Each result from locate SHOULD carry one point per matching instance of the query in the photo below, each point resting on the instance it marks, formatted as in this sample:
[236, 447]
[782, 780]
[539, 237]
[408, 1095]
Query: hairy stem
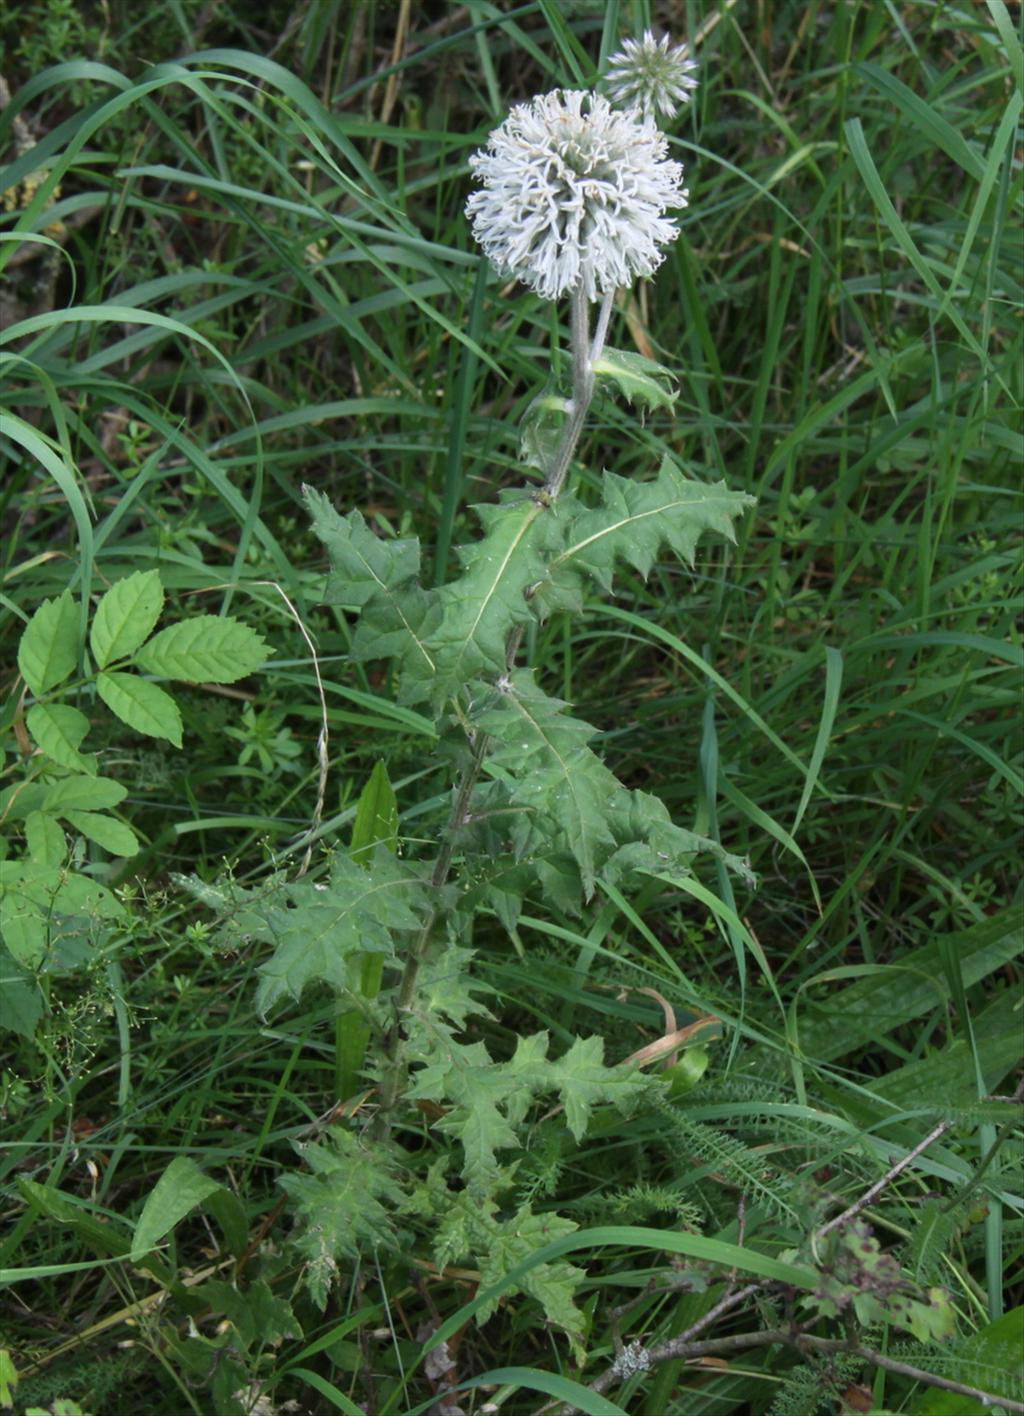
[583, 356]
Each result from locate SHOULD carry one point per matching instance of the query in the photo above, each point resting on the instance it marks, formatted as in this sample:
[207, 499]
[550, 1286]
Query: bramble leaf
[141, 704]
[114, 836]
[82, 794]
[344, 1205]
[205, 649]
[48, 650]
[59, 730]
[124, 617]
[45, 839]
[318, 926]
[39, 904]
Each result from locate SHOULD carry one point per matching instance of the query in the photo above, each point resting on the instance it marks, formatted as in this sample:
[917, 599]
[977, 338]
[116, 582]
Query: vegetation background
[254, 273]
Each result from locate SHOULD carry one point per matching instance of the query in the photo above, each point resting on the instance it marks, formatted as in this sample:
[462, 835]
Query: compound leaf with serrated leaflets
[114, 836]
[142, 705]
[206, 649]
[48, 649]
[124, 617]
[59, 730]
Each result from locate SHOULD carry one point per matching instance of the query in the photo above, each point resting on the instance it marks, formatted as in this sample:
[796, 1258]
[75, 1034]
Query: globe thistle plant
[574, 194]
[652, 76]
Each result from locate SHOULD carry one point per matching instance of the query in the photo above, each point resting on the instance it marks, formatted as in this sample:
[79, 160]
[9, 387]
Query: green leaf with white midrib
[633, 523]
[543, 754]
[379, 577]
[488, 600]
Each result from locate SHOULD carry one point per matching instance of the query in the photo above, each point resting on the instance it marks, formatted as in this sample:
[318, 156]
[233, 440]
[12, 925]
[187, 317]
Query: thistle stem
[582, 390]
[583, 355]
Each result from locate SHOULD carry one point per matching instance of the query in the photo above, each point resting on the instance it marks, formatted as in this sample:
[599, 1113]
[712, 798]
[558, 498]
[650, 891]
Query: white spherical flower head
[574, 194]
[651, 75]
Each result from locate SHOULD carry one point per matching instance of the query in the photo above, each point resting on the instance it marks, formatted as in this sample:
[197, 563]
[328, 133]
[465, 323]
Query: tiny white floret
[574, 194]
[652, 75]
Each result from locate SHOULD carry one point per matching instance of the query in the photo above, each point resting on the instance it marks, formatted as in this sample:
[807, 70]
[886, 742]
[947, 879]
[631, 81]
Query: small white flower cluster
[574, 194]
[652, 75]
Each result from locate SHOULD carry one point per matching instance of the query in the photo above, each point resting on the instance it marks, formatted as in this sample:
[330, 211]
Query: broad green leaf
[141, 704]
[376, 824]
[887, 996]
[48, 651]
[8, 1379]
[345, 1205]
[114, 836]
[45, 839]
[318, 926]
[82, 794]
[106, 1238]
[21, 1000]
[565, 1391]
[489, 599]
[42, 904]
[59, 730]
[206, 649]
[179, 1190]
[634, 521]
[257, 1315]
[25, 896]
[379, 577]
[637, 378]
[125, 616]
